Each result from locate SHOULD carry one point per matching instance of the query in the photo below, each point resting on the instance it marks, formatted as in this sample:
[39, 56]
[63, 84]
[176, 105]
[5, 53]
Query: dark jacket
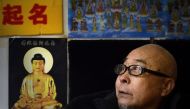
[107, 100]
[101, 100]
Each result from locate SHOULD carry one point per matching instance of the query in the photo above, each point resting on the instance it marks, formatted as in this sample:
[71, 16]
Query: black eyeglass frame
[143, 70]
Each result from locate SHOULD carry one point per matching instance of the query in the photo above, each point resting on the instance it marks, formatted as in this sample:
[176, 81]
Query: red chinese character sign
[12, 15]
[38, 17]
[35, 17]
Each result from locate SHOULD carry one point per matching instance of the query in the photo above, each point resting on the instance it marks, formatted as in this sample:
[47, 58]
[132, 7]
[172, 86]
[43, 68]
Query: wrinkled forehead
[135, 61]
[141, 57]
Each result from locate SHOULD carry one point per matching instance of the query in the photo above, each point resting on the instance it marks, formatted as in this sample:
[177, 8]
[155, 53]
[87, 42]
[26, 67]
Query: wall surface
[4, 73]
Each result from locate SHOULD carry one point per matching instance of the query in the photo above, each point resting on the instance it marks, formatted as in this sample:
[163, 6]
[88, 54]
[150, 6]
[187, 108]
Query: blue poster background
[168, 19]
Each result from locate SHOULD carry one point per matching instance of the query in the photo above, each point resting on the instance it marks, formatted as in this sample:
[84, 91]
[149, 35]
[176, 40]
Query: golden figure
[158, 25]
[175, 15]
[38, 89]
[131, 22]
[143, 10]
[89, 9]
[94, 24]
[79, 14]
[153, 12]
[115, 4]
[139, 27]
[124, 21]
[102, 25]
[117, 20]
[133, 7]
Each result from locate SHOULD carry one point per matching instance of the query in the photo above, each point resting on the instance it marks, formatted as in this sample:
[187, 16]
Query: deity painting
[38, 88]
[129, 19]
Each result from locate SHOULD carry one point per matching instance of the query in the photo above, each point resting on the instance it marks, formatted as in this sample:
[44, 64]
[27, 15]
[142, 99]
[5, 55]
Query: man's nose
[125, 78]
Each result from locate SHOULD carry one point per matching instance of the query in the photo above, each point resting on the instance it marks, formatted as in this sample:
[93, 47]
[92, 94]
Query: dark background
[92, 63]
[17, 71]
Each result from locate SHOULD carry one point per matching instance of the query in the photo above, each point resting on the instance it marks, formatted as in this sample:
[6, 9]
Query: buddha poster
[37, 73]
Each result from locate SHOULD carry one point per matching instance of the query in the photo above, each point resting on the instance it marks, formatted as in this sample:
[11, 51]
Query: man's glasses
[136, 70]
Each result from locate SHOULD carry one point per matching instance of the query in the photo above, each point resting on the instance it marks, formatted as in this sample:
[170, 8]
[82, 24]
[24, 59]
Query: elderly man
[145, 78]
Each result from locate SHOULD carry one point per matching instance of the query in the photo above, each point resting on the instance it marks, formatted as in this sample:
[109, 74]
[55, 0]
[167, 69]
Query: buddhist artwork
[34, 82]
[129, 18]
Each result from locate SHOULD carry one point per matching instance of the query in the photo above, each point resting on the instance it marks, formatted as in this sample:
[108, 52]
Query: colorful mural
[129, 19]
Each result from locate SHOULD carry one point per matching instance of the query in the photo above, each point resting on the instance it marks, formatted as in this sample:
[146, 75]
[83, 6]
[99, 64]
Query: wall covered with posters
[166, 19]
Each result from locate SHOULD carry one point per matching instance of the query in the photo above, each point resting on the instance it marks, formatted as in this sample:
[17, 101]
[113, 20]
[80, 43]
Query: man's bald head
[157, 58]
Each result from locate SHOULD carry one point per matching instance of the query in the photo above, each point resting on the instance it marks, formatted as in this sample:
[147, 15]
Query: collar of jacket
[107, 102]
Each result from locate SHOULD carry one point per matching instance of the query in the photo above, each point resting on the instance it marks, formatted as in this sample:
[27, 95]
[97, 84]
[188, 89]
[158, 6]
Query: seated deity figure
[38, 90]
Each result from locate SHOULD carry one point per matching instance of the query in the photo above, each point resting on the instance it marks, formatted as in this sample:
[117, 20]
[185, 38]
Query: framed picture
[37, 73]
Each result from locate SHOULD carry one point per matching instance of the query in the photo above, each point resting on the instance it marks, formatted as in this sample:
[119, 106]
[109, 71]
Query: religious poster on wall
[129, 19]
[34, 17]
[37, 73]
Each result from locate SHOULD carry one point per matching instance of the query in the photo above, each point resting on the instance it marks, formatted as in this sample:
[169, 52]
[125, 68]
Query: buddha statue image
[84, 25]
[117, 16]
[74, 26]
[139, 26]
[79, 14]
[74, 4]
[153, 12]
[131, 22]
[175, 17]
[149, 25]
[143, 9]
[158, 24]
[90, 10]
[100, 7]
[124, 21]
[102, 24]
[133, 6]
[186, 11]
[38, 90]
[94, 24]
[116, 4]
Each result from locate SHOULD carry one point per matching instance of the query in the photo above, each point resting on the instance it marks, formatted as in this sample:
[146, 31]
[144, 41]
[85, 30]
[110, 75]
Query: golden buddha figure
[38, 90]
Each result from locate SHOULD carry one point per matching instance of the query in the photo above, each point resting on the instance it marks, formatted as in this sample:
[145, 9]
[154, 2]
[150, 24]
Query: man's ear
[167, 86]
